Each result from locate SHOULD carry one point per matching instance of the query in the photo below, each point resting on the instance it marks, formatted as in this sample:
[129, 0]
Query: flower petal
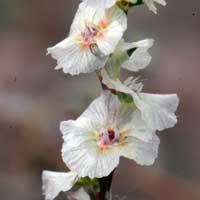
[74, 59]
[56, 182]
[87, 159]
[151, 4]
[158, 111]
[86, 15]
[102, 110]
[114, 84]
[117, 24]
[81, 194]
[161, 2]
[140, 58]
[133, 124]
[144, 153]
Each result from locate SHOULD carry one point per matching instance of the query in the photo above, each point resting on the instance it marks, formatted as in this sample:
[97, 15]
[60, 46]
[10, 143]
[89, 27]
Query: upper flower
[107, 130]
[94, 34]
[110, 3]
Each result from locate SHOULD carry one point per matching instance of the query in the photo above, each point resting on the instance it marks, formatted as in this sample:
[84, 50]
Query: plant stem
[103, 86]
[105, 188]
[105, 182]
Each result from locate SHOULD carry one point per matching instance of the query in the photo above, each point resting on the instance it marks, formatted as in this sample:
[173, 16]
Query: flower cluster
[123, 120]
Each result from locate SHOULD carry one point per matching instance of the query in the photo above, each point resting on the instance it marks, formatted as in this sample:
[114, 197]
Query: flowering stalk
[123, 120]
[105, 188]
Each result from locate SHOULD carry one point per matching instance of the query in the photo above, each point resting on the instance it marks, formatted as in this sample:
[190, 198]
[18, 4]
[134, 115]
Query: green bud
[124, 98]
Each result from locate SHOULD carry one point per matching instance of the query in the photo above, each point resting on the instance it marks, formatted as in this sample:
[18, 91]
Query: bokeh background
[34, 98]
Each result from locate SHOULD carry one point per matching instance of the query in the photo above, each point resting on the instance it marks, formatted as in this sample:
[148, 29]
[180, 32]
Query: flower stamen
[108, 137]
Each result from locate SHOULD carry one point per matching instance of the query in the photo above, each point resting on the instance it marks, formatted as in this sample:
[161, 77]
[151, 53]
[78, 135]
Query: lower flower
[107, 130]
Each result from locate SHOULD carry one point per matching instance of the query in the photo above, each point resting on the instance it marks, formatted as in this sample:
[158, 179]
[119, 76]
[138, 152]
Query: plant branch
[105, 188]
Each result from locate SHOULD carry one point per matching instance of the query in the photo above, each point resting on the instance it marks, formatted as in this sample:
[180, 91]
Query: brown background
[34, 98]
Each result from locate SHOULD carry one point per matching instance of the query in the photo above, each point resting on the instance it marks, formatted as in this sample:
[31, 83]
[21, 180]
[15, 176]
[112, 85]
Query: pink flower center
[108, 137]
[91, 31]
[88, 34]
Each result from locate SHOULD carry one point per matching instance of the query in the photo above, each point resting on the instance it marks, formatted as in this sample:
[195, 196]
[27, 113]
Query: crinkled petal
[151, 4]
[77, 132]
[115, 84]
[74, 59]
[56, 182]
[144, 153]
[158, 111]
[117, 24]
[102, 110]
[140, 58]
[146, 43]
[81, 194]
[86, 15]
[87, 159]
[161, 2]
[131, 122]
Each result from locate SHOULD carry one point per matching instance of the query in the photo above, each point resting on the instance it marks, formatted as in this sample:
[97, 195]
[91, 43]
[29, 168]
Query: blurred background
[34, 98]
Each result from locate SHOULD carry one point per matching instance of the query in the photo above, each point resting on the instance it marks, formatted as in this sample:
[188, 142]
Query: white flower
[81, 194]
[107, 130]
[56, 182]
[110, 3]
[94, 34]
[158, 111]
